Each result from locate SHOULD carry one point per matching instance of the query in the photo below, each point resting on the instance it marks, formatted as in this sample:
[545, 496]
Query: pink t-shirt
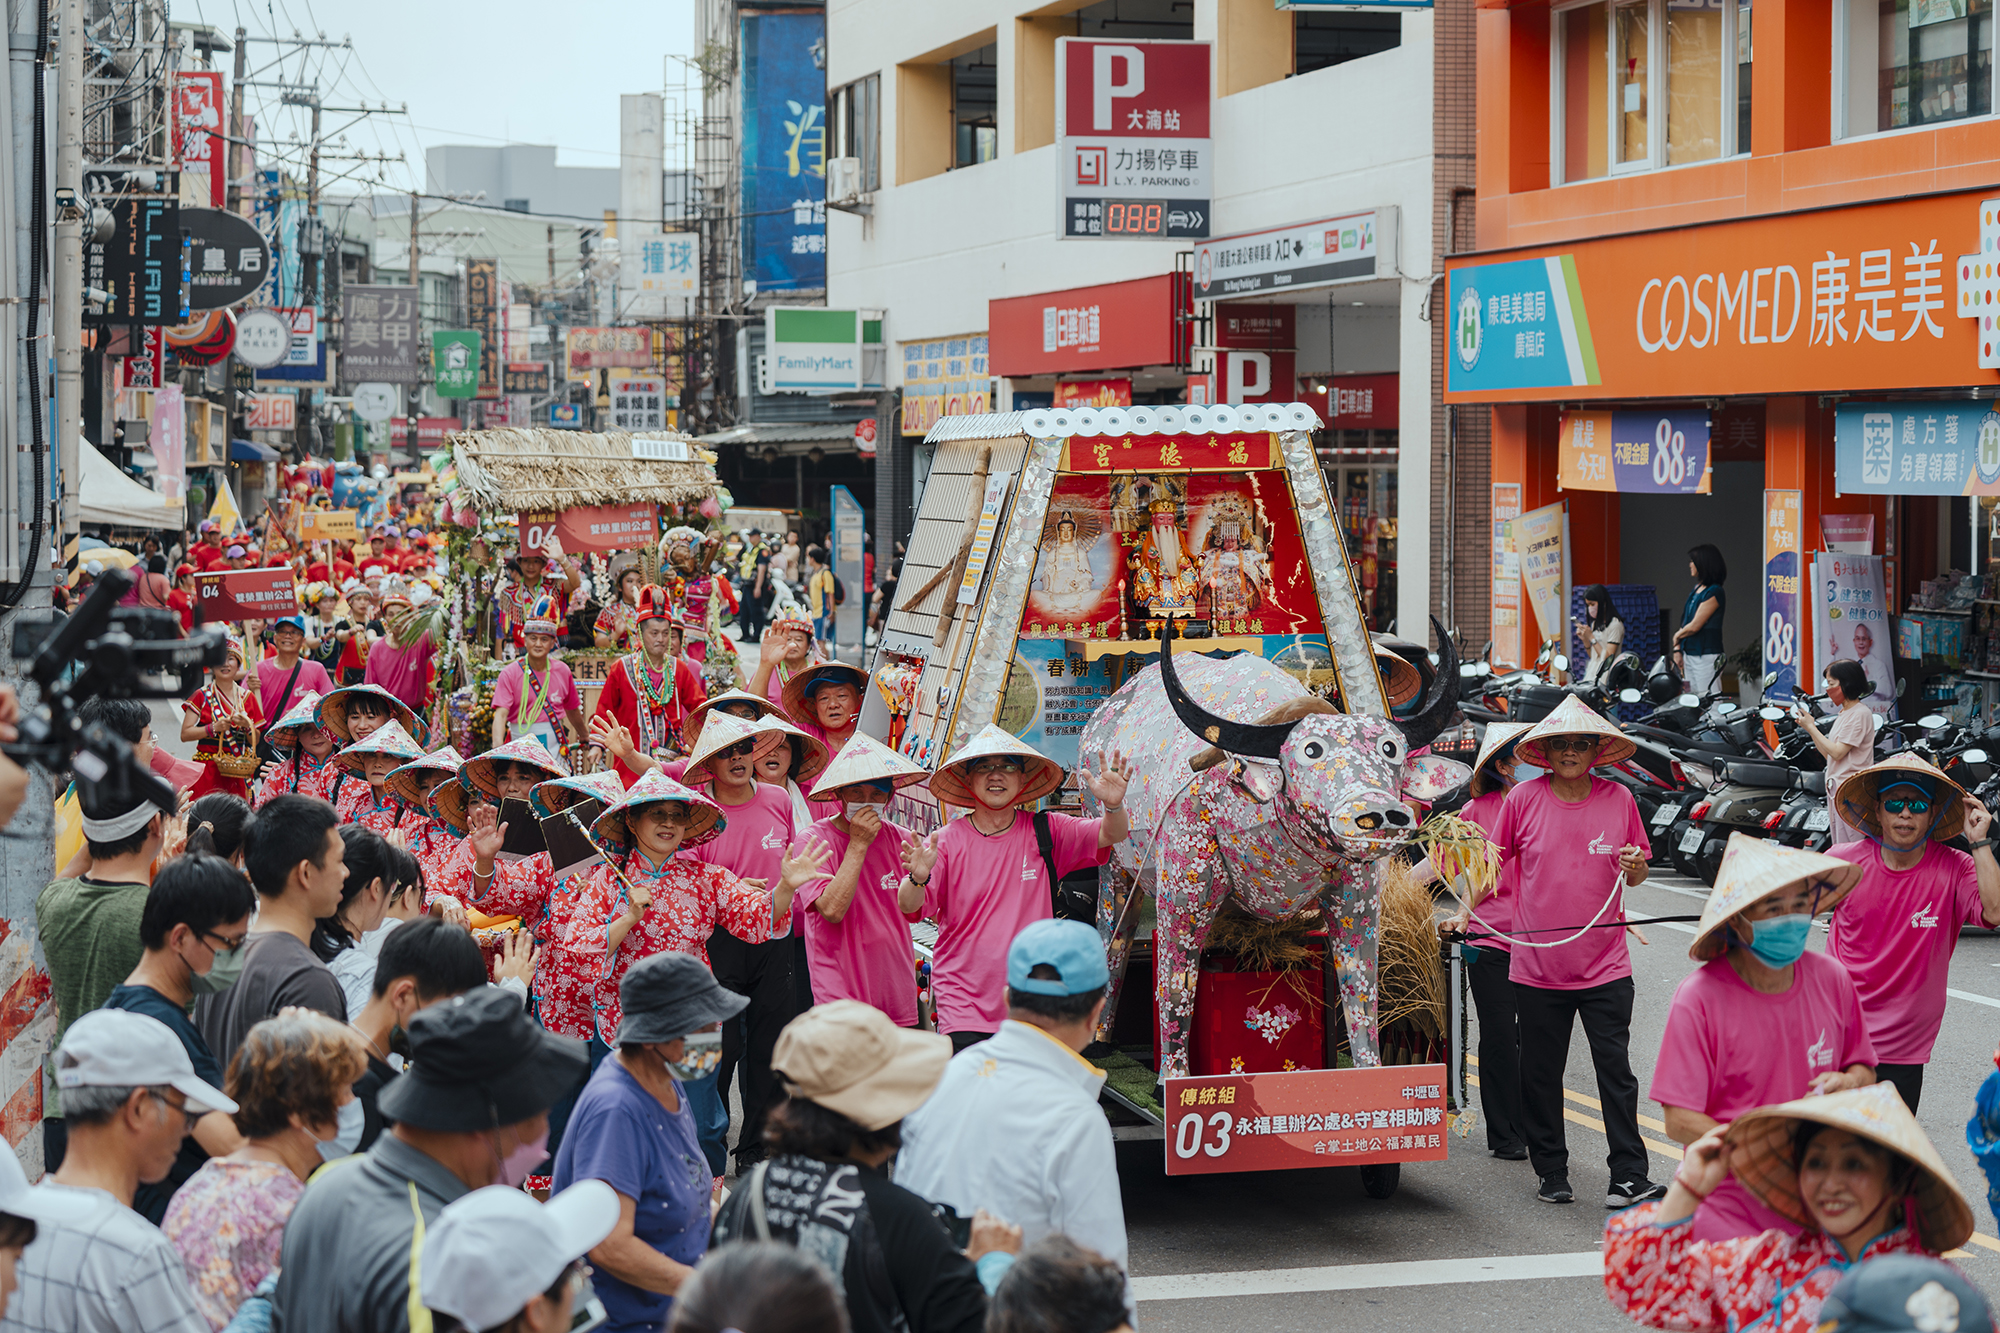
[1568, 857]
[556, 687]
[985, 891]
[271, 680]
[1895, 933]
[1496, 910]
[404, 672]
[1728, 1049]
[754, 836]
[866, 955]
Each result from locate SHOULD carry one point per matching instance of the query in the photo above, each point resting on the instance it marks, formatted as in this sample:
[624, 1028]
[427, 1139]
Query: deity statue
[1165, 576]
[1066, 583]
[1233, 562]
[703, 598]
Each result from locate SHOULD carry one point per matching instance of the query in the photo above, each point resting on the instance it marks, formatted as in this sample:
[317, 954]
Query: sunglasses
[1564, 744]
[739, 750]
[1916, 805]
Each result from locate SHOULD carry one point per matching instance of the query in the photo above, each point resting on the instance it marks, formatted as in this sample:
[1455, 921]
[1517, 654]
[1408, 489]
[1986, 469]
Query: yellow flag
[224, 510]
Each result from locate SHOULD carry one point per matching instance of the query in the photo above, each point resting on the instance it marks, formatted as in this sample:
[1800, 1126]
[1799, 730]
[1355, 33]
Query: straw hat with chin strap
[1040, 775]
[1860, 795]
[1573, 717]
[1499, 735]
[722, 732]
[1752, 870]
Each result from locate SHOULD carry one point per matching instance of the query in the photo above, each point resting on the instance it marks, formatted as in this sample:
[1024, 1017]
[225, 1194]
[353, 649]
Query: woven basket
[243, 765]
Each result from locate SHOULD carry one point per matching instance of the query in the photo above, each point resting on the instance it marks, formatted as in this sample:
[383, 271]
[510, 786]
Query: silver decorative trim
[1326, 551]
[1172, 419]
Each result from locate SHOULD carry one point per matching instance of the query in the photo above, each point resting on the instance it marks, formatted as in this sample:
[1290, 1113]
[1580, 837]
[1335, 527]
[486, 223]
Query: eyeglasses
[676, 815]
[1564, 744]
[982, 767]
[188, 1114]
[1916, 805]
[221, 943]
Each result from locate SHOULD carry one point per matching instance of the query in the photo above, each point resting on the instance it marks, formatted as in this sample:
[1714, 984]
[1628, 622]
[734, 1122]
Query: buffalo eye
[1390, 750]
[1313, 750]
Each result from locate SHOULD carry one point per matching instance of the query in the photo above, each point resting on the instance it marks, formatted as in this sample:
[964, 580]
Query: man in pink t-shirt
[1579, 841]
[1896, 932]
[275, 674]
[1762, 1021]
[984, 878]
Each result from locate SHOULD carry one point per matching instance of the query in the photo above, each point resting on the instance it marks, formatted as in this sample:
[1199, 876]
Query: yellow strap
[420, 1317]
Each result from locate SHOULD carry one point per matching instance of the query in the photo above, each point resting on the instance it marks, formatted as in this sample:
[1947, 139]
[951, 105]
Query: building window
[1320, 40]
[1914, 62]
[975, 106]
[1641, 84]
[856, 115]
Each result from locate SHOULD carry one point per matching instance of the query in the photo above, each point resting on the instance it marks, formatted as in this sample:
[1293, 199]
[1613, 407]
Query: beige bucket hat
[1761, 1155]
[1752, 870]
[722, 732]
[953, 782]
[1573, 717]
[865, 759]
[850, 1058]
[814, 755]
[1860, 795]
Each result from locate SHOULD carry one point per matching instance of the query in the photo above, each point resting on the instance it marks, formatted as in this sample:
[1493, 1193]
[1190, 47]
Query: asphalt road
[1304, 1250]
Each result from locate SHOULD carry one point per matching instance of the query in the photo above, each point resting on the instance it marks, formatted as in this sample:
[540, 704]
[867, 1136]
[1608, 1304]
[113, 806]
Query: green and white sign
[812, 350]
[455, 362]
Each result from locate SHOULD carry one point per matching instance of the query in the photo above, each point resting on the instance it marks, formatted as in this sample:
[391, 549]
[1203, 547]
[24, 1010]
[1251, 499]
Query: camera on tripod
[112, 651]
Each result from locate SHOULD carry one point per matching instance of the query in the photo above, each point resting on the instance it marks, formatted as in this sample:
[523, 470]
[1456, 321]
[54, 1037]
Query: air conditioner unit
[843, 180]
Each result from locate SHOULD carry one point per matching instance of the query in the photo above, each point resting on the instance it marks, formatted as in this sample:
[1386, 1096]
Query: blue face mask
[1779, 941]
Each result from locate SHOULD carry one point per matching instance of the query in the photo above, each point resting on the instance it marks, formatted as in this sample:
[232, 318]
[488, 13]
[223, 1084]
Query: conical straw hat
[449, 803]
[691, 726]
[1400, 677]
[1496, 739]
[1573, 717]
[814, 755]
[952, 783]
[865, 759]
[1755, 868]
[1860, 801]
[795, 688]
[284, 733]
[719, 733]
[558, 794]
[704, 816]
[407, 782]
[1762, 1153]
[332, 712]
[390, 739]
[525, 750]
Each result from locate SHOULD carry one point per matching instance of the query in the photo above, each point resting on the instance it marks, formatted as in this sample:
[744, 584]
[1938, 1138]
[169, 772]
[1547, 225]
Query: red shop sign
[430, 431]
[1305, 1118]
[1084, 328]
[1358, 402]
[593, 528]
[246, 594]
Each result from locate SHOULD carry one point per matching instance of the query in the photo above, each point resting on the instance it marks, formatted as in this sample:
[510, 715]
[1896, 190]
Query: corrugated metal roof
[782, 433]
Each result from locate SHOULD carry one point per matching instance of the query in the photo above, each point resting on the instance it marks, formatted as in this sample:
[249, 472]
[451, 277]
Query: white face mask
[347, 1134]
[853, 808]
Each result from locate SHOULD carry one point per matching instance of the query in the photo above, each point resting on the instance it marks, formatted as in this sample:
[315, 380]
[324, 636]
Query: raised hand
[485, 833]
[919, 855]
[516, 957]
[607, 733]
[798, 867]
[1108, 783]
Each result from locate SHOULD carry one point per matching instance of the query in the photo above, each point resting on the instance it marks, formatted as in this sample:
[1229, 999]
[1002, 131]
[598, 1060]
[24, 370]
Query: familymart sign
[810, 350]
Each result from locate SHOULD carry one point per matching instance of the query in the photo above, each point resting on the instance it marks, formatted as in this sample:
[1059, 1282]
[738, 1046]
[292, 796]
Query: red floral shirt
[1773, 1282]
[300, 775]
[565, 983]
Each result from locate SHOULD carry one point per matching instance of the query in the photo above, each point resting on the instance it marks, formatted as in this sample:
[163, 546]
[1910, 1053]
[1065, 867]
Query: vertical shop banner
[482, 311]
[849, 540]
[1538, 537]
[455, 362]
[378, 335]
[1506, 574]
[146, 368]
[1851, 619]
[784, 151]
[1133, 140]
[198, 145]
[169, 440]
[944, 377]
[1661, 452]
[1917, 448]
[1784, 554]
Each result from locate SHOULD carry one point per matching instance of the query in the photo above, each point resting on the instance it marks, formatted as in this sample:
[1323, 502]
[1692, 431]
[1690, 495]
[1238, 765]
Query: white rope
[1617, 887]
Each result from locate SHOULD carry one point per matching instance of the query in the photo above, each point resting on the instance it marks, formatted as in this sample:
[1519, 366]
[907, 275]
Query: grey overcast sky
[499, 71]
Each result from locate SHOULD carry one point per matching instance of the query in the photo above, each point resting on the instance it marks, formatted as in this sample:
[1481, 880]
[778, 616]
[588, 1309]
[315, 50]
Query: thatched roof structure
[523, 470]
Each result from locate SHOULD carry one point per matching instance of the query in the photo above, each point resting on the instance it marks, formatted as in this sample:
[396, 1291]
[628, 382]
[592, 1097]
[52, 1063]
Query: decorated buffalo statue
[1249, 787]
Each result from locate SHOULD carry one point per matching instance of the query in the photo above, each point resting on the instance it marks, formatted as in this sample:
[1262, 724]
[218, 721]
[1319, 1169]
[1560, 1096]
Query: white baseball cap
[21, 1199]
[116, 1048]
[496, 1249]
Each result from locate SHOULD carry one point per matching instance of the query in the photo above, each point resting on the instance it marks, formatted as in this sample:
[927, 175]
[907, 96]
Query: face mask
[518, 1164]
[853, 808]
[222, 973]
[701, 1052]
[1779, 941]
[347, 1134]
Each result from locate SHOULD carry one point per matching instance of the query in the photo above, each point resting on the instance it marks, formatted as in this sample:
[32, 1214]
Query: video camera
[107, 650]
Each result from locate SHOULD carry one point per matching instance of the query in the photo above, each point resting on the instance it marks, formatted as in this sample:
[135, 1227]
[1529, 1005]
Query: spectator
[90, 925]
[758, 1287]
[785, 561]
[852, 1076]
[293, 1082]
[472, 1111]
[130, 721]
[297, 862]
[23, 1211]
[819, 593]
[1030, 1089]
[1058, 1286]
[420, 965]
[129, 1095]
[988, 876]
[374, 869]
[227, 818]
[757, 587]
[196, 918]
[282, 679]
[499, 1260]
[182, 598]
[1901, 1293]
[634, 1129]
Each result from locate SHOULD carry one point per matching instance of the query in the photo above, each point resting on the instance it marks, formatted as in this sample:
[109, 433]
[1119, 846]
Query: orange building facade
[1728, 251]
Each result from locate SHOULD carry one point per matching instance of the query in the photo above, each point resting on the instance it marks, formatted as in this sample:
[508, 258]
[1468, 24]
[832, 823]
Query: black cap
[1904, 1293]
[478, 1062]
[670, 995]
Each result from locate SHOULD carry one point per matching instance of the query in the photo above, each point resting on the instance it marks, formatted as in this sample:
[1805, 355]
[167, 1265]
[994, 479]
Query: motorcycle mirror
[1467, 670]
[1878, 721]
[1726, 707]
[1689, 701]
[1770, 714]
[1931, 721]
[1484, 667]
[1560, 663]
[1973, 756]
[1630, 696]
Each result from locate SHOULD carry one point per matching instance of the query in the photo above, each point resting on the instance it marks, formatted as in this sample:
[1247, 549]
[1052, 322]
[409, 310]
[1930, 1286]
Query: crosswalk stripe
[1354, 1277]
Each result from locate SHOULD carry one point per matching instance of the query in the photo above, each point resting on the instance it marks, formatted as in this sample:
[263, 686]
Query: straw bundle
[1461, 853]
[1282, 945]
[514, 470]
[1412, 984]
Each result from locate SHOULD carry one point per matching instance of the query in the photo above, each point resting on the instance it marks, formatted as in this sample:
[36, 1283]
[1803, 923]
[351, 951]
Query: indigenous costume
[429, 838]
[383, 811]
[210, 705]
[517, 600]
[537, 703]
[645, 700]
[343, 788]
[618, 622]
[701, 597]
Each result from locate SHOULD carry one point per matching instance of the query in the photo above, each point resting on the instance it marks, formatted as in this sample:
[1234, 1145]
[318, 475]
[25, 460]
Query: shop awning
[249, 451]
[109, 496]
[790, 437]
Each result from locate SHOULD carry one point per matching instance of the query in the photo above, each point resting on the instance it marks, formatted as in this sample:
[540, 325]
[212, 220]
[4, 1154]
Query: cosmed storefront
[1810, 392]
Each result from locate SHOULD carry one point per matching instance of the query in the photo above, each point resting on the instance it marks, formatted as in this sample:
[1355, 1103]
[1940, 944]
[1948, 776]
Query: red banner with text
[246, 594]
[1305, 1118]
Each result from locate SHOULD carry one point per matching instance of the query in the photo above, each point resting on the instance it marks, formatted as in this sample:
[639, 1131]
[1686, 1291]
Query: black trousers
[1499, 1050]
[1909, 1081]
[763, 974]
[1547, 1018]
[751, 612]
[961, 1040]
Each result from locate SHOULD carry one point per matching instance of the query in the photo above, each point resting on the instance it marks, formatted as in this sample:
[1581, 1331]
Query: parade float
[604, 500]
[1171, 583]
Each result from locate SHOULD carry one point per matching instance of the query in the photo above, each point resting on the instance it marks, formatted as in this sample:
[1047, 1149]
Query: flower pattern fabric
[301, 774]
[205, 708]
[228, 1222]
[565, 982]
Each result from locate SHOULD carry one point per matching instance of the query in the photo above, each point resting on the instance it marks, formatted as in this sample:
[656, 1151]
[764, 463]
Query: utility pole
[234, 154]
[67, 290]
[415, 277]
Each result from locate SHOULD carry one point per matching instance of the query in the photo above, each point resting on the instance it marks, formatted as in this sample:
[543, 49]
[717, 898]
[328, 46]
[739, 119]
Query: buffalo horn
[1251, 739]
[1441, 701]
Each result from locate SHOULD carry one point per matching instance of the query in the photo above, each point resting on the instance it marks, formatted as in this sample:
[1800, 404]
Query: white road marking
[1976, 999]
[1701, 894]
[1352, 1277]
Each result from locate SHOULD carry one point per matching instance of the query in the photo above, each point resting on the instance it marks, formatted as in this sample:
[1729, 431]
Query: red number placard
[1305, 1118]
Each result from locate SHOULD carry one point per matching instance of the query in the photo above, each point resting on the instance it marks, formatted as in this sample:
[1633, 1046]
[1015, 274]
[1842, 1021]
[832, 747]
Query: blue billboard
[784, 151]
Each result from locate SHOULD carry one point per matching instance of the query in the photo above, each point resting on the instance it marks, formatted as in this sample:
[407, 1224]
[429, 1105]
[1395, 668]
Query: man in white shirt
[1029, 1091]
[130, 1096]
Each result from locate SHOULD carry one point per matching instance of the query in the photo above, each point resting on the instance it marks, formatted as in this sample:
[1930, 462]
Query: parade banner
[1917, 448]
[1538, 536]
[1851, 619]
[246, 594]
[592, 528]
[1166, 453]
[1305, 1118]
[1784, 552]
[455, 362]
[1656, 452]
[1506, 596]
[328, 525]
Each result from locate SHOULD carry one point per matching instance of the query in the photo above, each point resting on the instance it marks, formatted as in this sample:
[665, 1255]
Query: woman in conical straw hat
[476, 875]
[1853, 1169]
[385, 751]
[431, 841]
[985, 878]
[1897, 931]
[1578, 842]
[795, 766]
[308, 767]
[1762, 1020]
